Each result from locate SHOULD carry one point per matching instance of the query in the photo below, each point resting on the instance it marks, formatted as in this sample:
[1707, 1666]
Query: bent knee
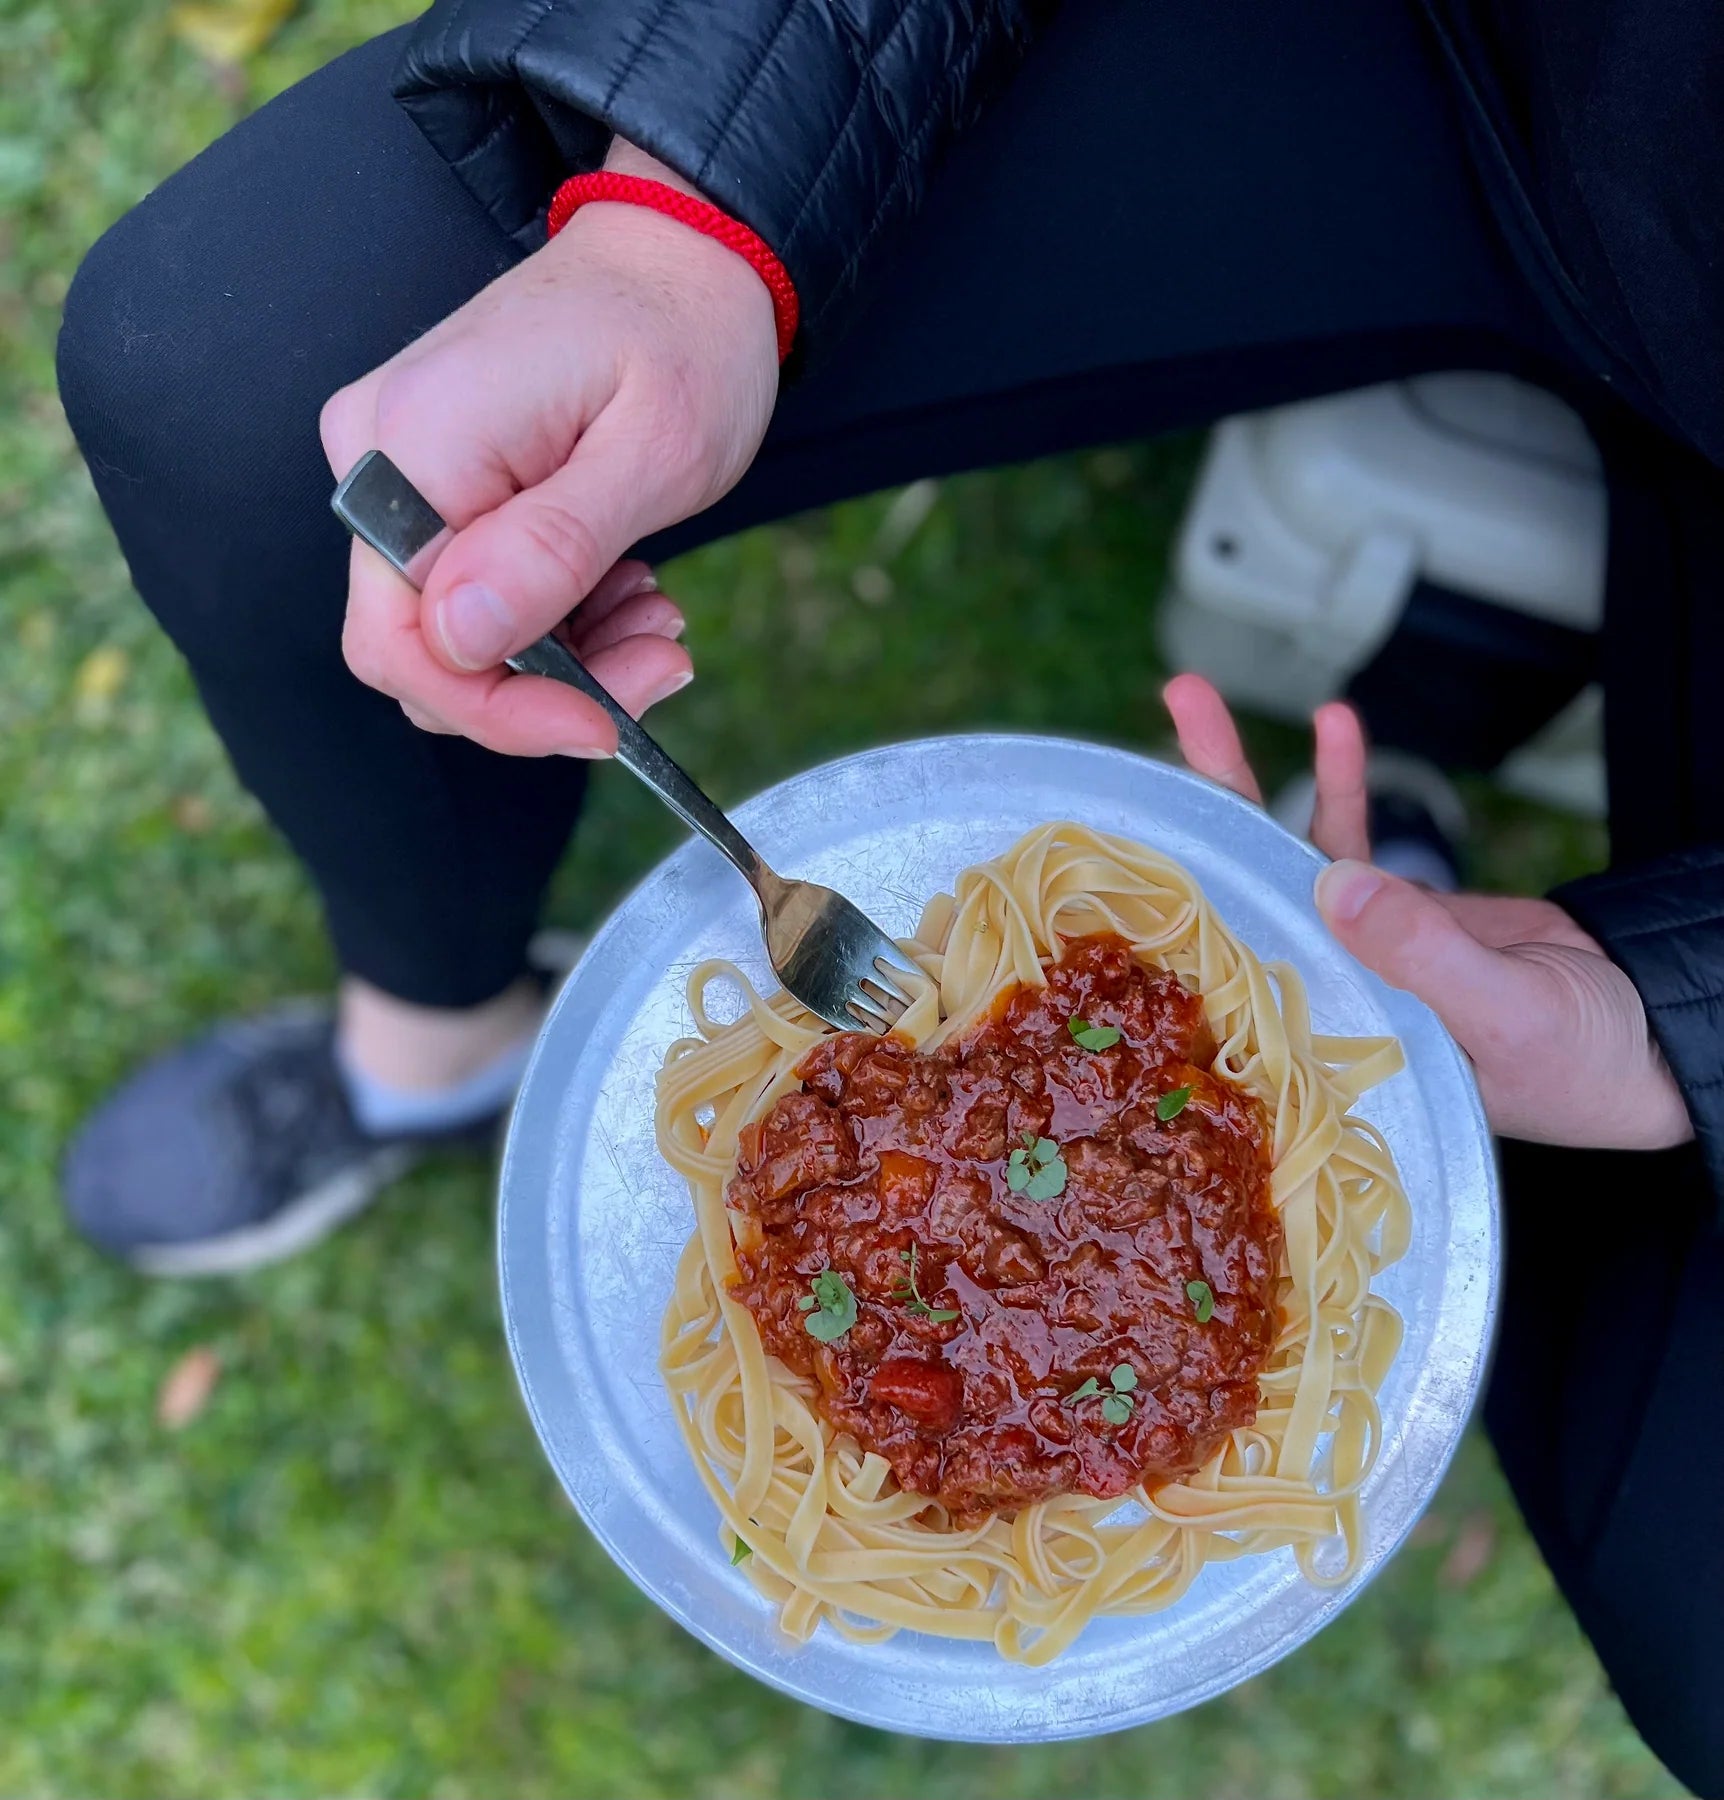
[185, 365]
[129, 356]
[193, 402]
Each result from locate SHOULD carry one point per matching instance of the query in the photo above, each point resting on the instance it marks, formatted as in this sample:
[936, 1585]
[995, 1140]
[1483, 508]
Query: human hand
[1554, 1028]
[613, 383]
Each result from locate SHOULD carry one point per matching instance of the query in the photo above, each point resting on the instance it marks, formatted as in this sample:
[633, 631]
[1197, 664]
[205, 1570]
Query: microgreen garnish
[1197, 1292]
[1092, 1037]
[1036, 1170]
[911, 1295]
[1172, 1104]
[741, 1552]
[1115, 1407]
[836, 1303]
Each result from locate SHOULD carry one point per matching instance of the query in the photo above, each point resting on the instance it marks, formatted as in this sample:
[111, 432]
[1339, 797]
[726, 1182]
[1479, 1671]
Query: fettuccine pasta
[829, 1535]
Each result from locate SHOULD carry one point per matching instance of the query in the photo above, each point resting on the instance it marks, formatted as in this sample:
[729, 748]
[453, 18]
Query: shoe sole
[297, 1226]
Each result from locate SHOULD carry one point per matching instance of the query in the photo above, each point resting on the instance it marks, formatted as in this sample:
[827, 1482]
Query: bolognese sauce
[1088, 1314]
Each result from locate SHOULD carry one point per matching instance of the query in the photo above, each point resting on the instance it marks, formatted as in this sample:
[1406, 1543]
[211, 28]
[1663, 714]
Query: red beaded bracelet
[637, 190]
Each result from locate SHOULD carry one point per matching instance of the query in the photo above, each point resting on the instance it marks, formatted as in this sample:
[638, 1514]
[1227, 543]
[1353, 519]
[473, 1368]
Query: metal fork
[828, 953]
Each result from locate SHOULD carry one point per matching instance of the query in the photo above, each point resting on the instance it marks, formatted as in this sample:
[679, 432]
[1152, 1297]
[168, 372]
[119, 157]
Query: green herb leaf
[1172, 1104]
[1092, 1037]
[1197, 1292]
[808, 1303]
[828, 1327]
[1115, 1407]
[740, 1552]
[1048, 1182]
[837, 1308]
[1038, 1171]
[911, 1294]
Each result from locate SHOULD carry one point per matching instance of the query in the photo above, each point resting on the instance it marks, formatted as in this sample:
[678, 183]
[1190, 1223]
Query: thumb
[515, 572]
[1415, 943]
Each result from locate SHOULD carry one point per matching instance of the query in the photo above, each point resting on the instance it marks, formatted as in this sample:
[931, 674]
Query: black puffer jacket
[1599, 128]
[821, 122]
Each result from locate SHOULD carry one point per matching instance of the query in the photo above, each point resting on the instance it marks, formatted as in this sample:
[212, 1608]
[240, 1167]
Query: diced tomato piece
[931, 1393]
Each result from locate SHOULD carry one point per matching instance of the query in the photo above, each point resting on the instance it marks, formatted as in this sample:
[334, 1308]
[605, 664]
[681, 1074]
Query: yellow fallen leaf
[186, 1391]
[230, 31]
[101, 675]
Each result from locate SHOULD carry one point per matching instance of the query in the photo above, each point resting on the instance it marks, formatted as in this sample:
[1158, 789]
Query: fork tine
[890, 977]
[882, 998]
[867, 1018]
[833, 957]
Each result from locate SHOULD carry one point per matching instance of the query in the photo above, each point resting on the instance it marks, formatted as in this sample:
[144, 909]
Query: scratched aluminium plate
[592, 1223]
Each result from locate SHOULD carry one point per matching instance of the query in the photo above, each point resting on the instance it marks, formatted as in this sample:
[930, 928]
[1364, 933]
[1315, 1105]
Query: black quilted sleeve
[816, 122]
[1663, 922]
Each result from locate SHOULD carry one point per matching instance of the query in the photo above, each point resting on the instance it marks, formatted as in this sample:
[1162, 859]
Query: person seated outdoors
[981, 235]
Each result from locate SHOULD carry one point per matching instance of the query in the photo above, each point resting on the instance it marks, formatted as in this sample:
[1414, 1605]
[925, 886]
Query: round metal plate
[592, 1223]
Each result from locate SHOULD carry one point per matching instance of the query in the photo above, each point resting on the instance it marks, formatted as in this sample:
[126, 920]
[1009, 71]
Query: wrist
[630, 199]
[624, 158]
[637, 234]
[646, 240]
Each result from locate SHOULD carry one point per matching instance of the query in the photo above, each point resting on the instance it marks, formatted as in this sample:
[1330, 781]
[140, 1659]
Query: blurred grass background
[347, 1569]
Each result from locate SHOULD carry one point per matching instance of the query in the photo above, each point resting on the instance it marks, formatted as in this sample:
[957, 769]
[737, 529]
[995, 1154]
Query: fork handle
[645, 758]
[377, 503]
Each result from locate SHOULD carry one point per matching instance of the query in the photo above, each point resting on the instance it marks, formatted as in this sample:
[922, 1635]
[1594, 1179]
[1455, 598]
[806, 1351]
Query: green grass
[353, 1574]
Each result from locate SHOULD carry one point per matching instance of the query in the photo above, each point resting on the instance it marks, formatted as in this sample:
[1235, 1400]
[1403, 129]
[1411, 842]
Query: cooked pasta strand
[834, 1539]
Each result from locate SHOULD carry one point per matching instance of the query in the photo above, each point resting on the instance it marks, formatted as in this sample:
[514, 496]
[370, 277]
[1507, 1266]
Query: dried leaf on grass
[192, 813]
[186, 1391]
[230, 31]
[1474, 1546]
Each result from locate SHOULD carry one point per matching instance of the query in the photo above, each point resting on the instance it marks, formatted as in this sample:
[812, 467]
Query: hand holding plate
[1554, 1028]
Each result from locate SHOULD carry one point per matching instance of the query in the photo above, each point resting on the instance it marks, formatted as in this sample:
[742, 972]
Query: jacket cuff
[1663, 924]
[816, 124]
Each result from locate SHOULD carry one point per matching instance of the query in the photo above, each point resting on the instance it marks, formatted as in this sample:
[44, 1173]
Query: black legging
[1157, 226]
[1177, 212]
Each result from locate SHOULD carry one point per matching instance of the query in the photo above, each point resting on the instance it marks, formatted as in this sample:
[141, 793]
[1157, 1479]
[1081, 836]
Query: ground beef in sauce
[885, 1149]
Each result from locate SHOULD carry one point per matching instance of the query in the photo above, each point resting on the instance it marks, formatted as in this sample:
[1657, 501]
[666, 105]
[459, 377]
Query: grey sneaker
[233, 1151]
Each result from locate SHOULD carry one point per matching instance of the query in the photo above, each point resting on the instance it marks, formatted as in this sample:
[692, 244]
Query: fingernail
[586, 752]
[672, 684]
[477, 626]
[648, 584]
[1344, 888]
